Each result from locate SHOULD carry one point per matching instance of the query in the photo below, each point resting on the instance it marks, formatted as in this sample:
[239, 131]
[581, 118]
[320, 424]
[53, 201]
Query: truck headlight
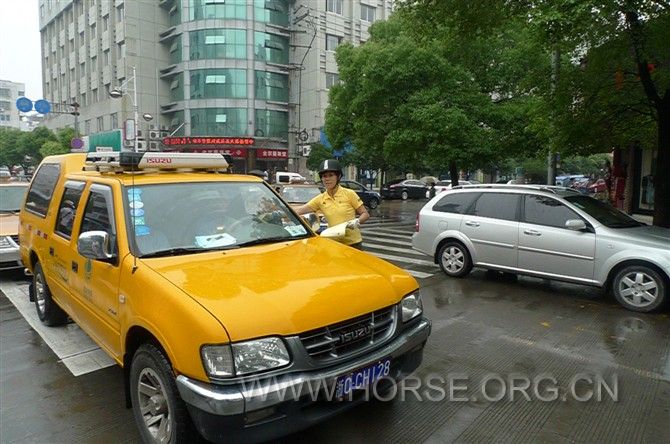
[260, 354]
[217, 360]
[242, 358]
[411, 306]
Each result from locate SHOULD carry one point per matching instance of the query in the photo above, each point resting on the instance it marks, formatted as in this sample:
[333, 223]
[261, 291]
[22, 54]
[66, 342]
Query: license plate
[361, 378]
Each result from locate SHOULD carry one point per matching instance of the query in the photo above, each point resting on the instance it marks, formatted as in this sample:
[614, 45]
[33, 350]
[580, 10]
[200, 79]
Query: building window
[121, 49]
[332, 41]
[119, 13]
[105, 57]
[332, 79]
[177, 87]
[334, 6]
[219, 9]
[87, 123]
[219, 122]
[272, 123]
[368, 13]
[219, 83]
[271, 48]
[218, 44]
[114, 120]
[271, 86]
[101, 123]
[274, 12]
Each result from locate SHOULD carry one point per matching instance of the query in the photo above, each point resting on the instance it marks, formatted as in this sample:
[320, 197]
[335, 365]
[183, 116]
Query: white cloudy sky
[20, 59]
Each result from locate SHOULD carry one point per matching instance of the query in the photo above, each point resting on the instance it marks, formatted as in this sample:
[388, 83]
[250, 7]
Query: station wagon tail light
[243, 358]
[411, 306]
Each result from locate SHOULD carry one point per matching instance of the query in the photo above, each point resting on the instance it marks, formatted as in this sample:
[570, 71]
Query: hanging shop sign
[237, 153]
[271, 154]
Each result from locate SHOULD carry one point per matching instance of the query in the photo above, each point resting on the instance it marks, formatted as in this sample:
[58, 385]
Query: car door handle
[470, 223]
[51, 251]
[532, 232]
[75, 266]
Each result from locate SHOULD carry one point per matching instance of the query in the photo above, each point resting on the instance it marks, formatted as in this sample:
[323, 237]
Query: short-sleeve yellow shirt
[339, 208]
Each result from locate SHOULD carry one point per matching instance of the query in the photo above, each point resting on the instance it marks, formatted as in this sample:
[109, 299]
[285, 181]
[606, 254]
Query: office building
[246, 77]
[9, 115]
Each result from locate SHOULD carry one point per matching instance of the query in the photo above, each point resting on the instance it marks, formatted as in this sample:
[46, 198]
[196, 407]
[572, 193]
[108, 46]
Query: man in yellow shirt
[338, 204]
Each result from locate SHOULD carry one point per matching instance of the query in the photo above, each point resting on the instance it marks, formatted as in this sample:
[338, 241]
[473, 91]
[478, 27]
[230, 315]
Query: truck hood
[286, 288]
[9, 224]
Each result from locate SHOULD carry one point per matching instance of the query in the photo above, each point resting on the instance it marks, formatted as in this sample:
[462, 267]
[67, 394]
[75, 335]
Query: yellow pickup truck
[230, 316]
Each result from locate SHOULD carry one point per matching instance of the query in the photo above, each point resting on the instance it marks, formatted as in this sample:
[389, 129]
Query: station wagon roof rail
[548, 188]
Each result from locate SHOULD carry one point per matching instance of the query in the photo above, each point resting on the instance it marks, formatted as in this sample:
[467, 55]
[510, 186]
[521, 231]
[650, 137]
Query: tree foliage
[414, 101]
[611, 88]
[28, 148]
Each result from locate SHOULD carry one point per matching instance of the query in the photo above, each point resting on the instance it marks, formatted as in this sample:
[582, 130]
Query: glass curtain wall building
[246, 77]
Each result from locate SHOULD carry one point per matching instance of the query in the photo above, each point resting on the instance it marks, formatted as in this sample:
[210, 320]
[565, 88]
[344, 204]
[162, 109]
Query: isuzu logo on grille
[356, 333]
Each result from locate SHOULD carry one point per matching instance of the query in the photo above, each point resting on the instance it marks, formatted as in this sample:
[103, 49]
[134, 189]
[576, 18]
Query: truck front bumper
[264, 409]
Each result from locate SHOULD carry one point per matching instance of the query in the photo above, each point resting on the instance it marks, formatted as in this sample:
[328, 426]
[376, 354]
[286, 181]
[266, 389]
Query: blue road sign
[24, 104]
[42, 106]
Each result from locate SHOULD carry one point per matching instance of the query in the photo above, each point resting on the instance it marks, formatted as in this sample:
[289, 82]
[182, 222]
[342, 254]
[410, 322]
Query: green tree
[401, 101]
[612, 85]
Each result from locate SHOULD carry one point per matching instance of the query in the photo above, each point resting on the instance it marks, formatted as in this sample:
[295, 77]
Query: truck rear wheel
[47, 310]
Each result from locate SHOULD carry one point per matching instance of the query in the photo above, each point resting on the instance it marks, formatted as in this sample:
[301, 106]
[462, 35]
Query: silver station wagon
[547, 232]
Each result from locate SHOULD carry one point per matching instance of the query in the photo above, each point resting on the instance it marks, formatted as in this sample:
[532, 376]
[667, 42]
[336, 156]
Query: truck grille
[347, 337]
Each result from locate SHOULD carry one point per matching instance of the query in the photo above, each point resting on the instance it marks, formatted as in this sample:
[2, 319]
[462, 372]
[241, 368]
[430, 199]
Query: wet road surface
[490, 331]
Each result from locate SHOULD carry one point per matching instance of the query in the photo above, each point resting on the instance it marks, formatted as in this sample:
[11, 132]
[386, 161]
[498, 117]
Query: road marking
[73, 347]
[390, 257]
[419, 274]
[387, 248]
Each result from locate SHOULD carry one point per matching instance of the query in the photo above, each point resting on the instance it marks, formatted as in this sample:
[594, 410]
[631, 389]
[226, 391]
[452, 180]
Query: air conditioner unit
[139, 134]
[141, 145]
[306, 149]
[164, 133]
[153, 127]
[129, 143]
[153, 135]
[165, 128]
[153, 146]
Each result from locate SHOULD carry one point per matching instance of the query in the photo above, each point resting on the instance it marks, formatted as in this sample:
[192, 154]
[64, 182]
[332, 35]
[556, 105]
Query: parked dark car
[404, 189]
[371, 199]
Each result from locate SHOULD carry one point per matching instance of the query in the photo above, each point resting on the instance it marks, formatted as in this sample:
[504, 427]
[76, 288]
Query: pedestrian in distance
[338, 204]
[431, 191]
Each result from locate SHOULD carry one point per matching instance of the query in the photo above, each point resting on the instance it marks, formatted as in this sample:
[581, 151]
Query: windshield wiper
[269, 240]
[177, 251]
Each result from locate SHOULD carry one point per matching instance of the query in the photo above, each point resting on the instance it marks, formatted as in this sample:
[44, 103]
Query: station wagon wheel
[639, 288]
[159, 412]
[404, 195]
[454, 259]
[47, 310]
[373, 203]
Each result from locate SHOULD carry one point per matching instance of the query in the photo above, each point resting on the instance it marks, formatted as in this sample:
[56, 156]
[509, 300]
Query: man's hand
[353, 224]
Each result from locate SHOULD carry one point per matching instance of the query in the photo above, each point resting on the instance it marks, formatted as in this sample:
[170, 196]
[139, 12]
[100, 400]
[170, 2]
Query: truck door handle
[75, 266]
[470, 223]
[51, 251]
[532, 232]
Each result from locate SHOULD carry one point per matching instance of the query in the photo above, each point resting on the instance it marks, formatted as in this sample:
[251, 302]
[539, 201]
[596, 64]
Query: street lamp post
[119, 92]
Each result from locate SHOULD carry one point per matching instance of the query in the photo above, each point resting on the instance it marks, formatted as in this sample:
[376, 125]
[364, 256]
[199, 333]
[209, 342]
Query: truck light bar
[116, 161]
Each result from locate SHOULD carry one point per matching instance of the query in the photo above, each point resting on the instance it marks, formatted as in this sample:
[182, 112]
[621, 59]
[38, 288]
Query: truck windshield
[189, 218]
